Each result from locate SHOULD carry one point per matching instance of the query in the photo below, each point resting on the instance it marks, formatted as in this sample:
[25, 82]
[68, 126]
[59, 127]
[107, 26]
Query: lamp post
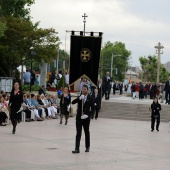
[159, 51]
[58, 56]
[31, 54]
[111, 68]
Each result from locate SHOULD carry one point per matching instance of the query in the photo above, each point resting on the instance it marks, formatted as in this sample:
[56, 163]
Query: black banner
[84, 57]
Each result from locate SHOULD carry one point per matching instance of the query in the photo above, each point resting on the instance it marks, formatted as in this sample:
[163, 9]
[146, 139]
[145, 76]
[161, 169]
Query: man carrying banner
[85, 111]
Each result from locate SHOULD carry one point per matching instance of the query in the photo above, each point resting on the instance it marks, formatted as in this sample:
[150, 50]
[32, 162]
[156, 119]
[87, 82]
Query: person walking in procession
[155, 114]
[16, 105]
[85, 111]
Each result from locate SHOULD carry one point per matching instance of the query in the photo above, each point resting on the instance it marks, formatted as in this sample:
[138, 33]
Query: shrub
[62, 82]
[33, 87]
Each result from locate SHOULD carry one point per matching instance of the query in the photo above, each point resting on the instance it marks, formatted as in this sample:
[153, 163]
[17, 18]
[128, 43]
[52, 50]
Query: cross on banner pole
[84, 16]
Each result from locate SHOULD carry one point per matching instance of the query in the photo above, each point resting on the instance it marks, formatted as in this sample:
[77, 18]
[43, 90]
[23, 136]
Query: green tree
[2, 28]
[62, 82]
[19, 37]
[120, 62]
[149, 67]
[16, 8]
[63, 56]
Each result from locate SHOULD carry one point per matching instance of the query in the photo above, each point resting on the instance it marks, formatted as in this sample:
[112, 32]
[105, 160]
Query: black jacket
[167, 87]
[106, 83]
[88, 107]
[100, 90]
[41, 91]
[155, 108]
[133, 88]
[97, 100]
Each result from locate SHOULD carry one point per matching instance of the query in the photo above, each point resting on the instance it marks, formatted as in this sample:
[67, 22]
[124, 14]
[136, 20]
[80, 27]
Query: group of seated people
[36, 107]
[40, 107]
[4, 112]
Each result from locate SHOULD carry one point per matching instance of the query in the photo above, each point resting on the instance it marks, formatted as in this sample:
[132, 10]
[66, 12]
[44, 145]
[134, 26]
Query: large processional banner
[84, 57]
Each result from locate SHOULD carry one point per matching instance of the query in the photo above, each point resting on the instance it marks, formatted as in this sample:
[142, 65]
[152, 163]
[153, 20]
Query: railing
[6, 84]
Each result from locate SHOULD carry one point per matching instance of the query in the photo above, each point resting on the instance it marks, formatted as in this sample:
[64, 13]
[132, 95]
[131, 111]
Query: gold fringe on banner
[83, 76]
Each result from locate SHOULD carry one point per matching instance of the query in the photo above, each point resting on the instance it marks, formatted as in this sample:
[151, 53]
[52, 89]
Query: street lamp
[58, 56]
[31, 54]
[111, 68]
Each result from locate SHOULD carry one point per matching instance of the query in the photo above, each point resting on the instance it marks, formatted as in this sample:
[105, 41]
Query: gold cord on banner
[83, 76]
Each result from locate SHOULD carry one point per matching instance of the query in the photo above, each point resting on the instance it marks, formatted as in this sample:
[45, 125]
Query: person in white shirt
[67, 77]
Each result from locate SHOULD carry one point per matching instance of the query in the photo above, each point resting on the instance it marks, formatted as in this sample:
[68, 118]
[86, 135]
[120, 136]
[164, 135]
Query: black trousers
[3, 116]
[167, 96]
[85, 123]
[28, 113]
[96, 112]
[153, 119]
[140, 94]
[107, 93]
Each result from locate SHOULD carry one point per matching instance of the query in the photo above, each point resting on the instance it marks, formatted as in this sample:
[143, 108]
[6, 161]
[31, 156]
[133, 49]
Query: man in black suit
[42, 90]
[100, 91]
[114, 88]
[120, 87]
[97, 100]
[100, 88]
[167, 91]
[107, 85]
[85, 111]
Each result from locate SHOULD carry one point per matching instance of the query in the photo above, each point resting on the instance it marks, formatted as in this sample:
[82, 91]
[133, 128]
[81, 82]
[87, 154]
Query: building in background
[167, 66]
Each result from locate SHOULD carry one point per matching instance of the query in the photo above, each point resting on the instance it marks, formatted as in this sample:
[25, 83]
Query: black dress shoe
[157, 129]
[152, 130]
[87, 150]
[76, 151]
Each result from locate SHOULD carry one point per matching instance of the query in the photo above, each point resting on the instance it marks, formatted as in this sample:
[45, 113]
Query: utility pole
[111, 68]
[159, 51]
[84, 16]
[58, 57]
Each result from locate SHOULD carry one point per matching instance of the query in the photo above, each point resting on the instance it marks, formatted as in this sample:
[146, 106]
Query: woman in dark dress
[155, 115]
[16, 104]
[65, 100]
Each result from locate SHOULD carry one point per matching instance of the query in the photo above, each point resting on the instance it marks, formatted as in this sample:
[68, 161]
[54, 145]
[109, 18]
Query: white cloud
[138, 24]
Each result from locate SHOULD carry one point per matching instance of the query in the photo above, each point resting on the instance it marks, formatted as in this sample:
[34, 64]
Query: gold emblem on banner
[85, 55]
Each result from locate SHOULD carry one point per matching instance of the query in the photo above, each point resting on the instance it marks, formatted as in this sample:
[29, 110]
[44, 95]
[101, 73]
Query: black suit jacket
[155, 108]
[167, 87]
[41, 91]
[100, 90]
[106, 83]
[97, 100]
[88, 107]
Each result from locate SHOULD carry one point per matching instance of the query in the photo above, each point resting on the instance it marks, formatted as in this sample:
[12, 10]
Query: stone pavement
[115, 145]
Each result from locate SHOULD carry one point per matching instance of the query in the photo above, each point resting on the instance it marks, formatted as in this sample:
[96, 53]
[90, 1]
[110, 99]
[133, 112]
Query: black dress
[15, 104]
[64, 103]
[155, 115]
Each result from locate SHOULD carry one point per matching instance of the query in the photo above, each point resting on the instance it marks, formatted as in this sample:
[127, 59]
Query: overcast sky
[138, 24]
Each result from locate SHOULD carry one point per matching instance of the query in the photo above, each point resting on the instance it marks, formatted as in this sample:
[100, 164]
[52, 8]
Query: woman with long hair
[15, 104]
[155, 115]
[4, 110]
[65, 100]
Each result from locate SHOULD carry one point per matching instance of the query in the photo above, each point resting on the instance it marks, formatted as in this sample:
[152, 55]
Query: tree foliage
[119, 62]
[149, 67]
[2, 28]
[22, 35]
[16, 8]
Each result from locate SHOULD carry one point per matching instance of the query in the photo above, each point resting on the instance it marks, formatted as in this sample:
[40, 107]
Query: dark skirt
[63, 110]
[14, 114]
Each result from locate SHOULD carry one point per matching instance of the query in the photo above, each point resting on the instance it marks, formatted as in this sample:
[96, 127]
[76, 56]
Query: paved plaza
[115, 144]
